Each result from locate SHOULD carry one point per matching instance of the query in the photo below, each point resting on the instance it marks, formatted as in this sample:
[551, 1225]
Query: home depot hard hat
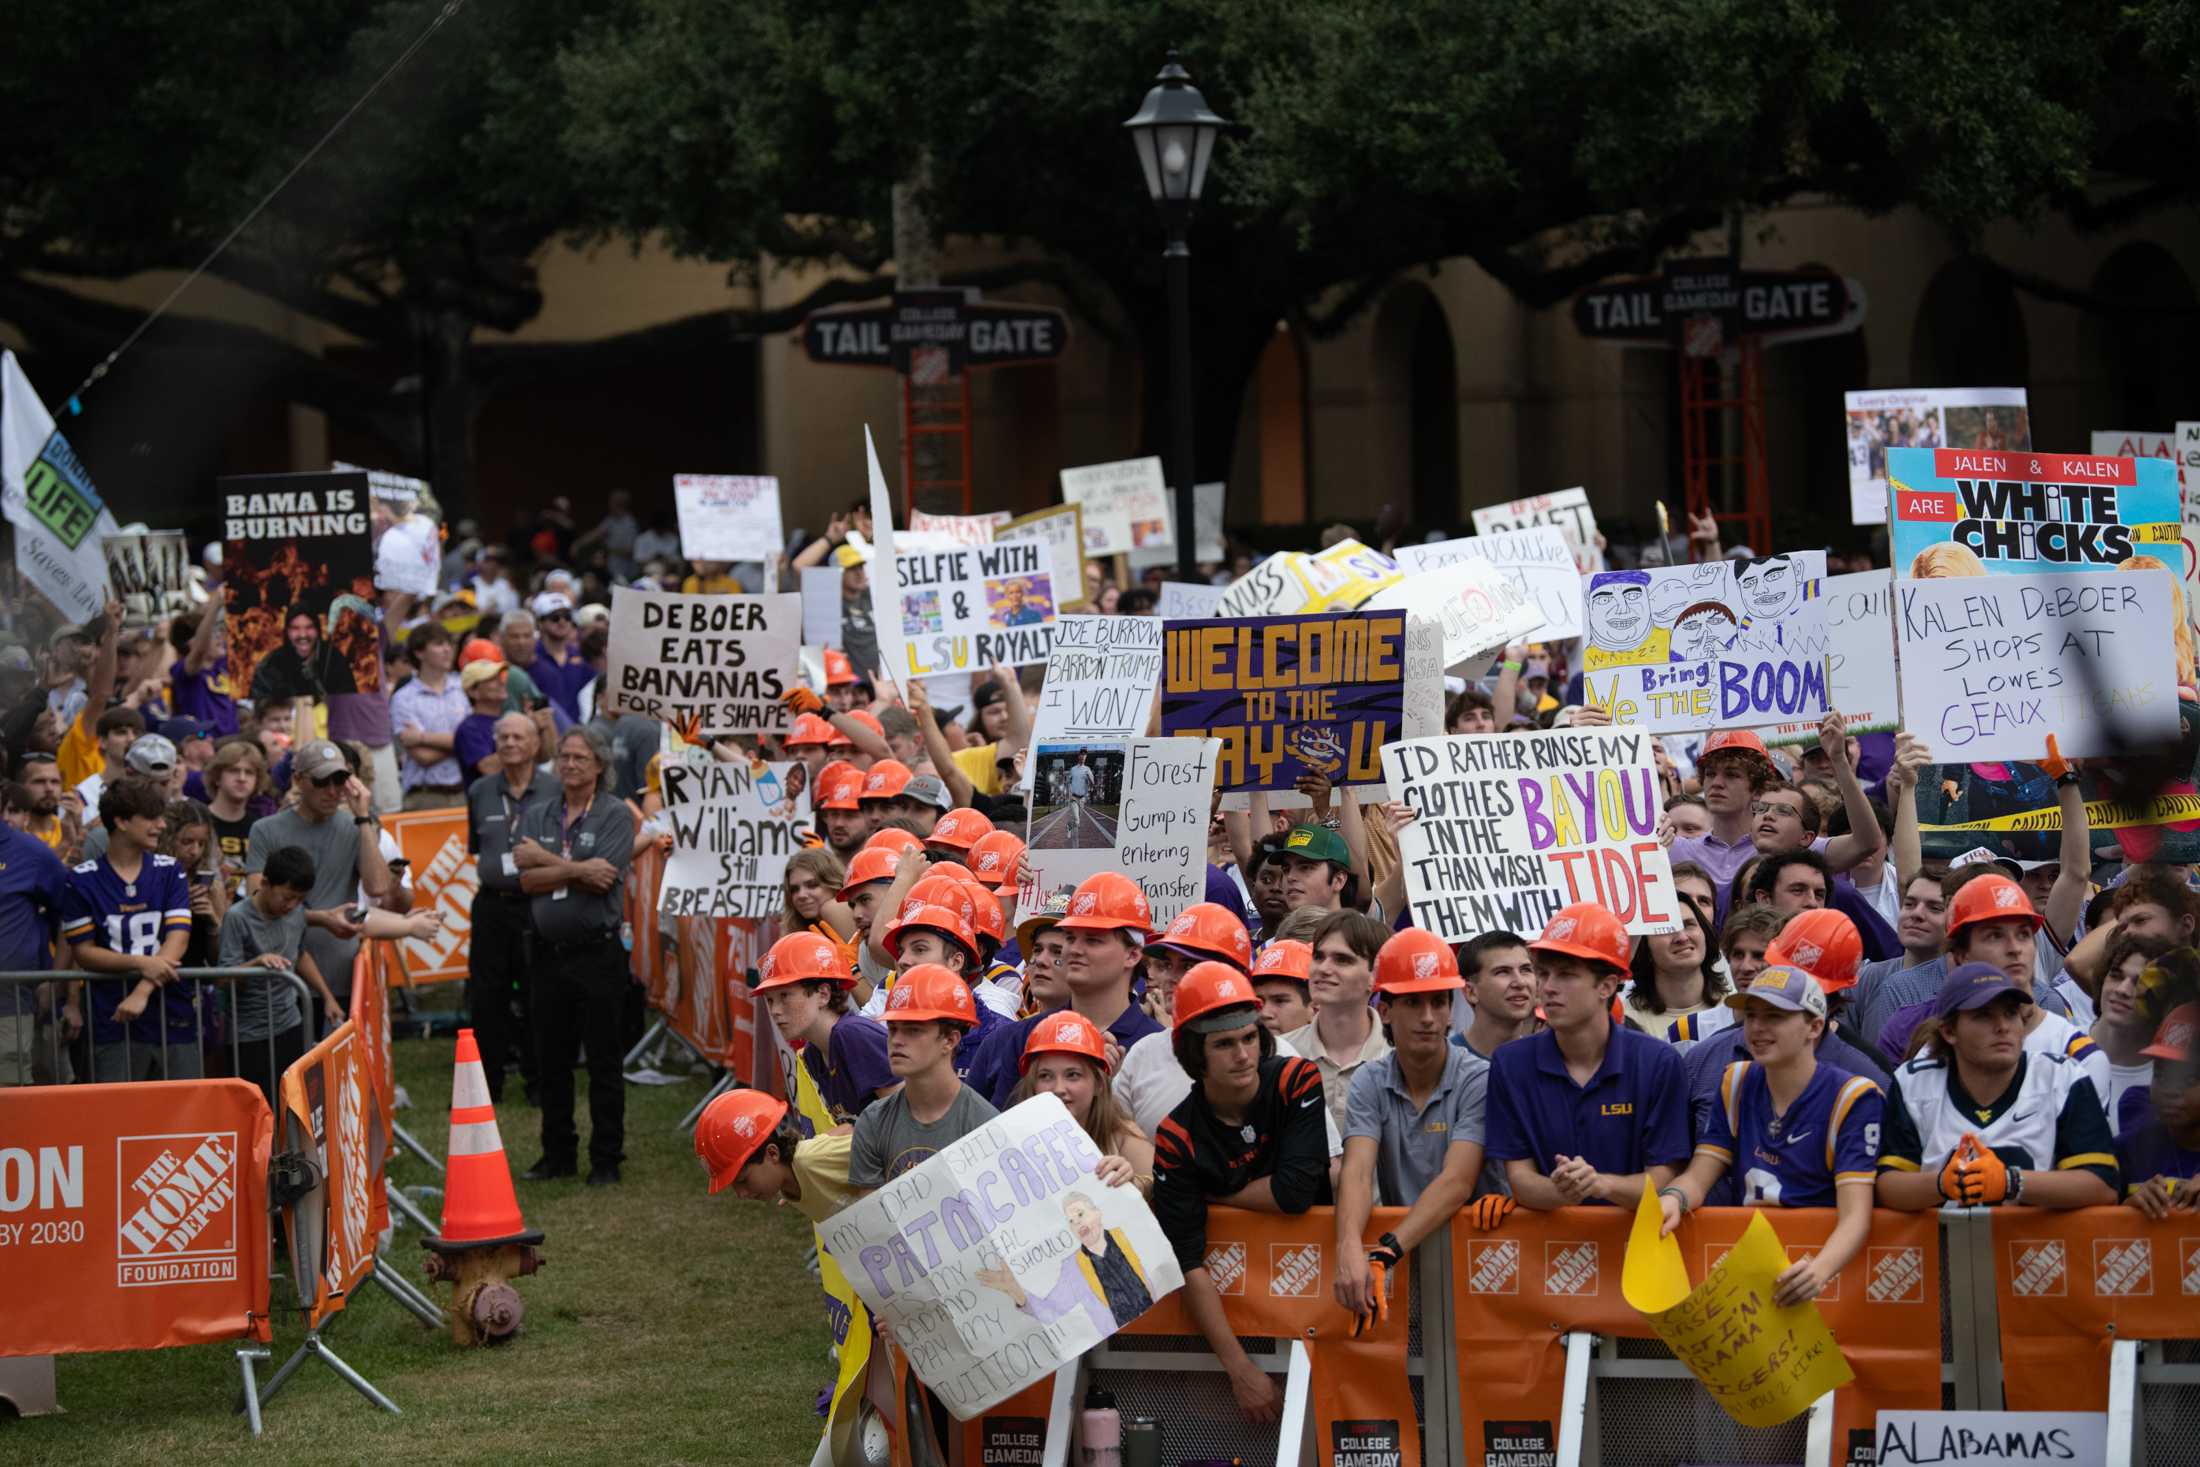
[731, 1129]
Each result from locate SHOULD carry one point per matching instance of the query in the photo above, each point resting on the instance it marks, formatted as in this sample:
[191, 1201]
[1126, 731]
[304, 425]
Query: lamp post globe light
[1174, 132]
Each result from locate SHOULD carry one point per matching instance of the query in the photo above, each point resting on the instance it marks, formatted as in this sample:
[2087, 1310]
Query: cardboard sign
[959, 529]
[1100, 681]
[2188, 493]
[1288, 695]
[1991, 666]
[1511, 829]
[1184, 600]
[733, 828]
[705, 664]
[150, 572]
[1126, 505]
[1725, 644]
[821, 606]
[1139, 806]
[1860, 679]
[1273, 587]
[1537, 561]
[1959, 513]
[1911, 417]
[1764, 1364]
[298, 567]
[1568, 510]
[728, 517]
[1473, 603]
[966, 608]
[1062, 528]
[444, 879]
[1990, 1438]
[1345, 575]
[2130, 443]
[1207, 546]
[999, 1258]
[47, 495]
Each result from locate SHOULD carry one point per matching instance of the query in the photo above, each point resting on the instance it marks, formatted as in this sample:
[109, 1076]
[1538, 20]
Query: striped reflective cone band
[478, 1202]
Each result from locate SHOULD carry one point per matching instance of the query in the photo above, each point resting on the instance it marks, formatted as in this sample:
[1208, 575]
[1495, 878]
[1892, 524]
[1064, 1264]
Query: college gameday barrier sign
[131, 1216]
[2070, 1284]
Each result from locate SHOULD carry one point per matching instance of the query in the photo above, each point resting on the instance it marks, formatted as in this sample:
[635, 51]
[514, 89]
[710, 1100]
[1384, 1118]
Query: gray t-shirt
[267, 1006]
[889, 1140]
[572, 912]
[334, 846]
[1410, 1142]
[492, 812]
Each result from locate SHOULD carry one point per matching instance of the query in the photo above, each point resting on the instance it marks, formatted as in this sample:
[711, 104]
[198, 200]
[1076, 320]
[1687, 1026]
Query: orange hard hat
[1285, 958]
[893, 839]
[731, 1129]
[929, 991]
[1107, 902]
[838, 785]
[1206, 994]
[886, 779]
[955, 869]
[1734, 741]
[993, 859]
[1989, 899]
[960, 828]
[986, 920]
[935, 889]
[1823, 943]
[801, 957]
[1414, 961]
[810, 731]
[1209, 930]
[1587, 931]
[1065, 1032]
[865, 717]
[872, 863]
[839, 671]
[2173, 1039]
[481, 649]
[946, 921]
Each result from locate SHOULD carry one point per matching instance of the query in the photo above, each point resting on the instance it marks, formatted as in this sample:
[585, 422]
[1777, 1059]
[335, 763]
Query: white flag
[45, 493]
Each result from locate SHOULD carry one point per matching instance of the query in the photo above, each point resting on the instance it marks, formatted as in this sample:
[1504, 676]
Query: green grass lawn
[666, 1327]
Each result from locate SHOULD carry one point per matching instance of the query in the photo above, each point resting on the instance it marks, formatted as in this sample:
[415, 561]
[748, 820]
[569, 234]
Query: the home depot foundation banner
[444, 880]
[131, 1216]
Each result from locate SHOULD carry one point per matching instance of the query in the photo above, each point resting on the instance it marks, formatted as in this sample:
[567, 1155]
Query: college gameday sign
[973, 333]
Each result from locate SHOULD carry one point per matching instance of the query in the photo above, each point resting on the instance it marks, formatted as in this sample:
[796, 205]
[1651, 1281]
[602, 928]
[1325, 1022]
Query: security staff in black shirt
[574, 848]
[497, 977]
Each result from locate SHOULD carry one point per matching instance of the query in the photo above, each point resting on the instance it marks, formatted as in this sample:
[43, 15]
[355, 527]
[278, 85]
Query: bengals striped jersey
[1198, 1158]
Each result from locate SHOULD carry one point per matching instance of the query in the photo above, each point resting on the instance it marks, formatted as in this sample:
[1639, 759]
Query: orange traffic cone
[480, 1208]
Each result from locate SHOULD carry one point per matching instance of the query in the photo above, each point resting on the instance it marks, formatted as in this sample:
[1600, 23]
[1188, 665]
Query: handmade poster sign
[968, 607]
[1912, 417]
[2131, 443]
[1100, 681]
[1273, 587]
[1764, 1364]
[298, 567]
[705, 664]
[1207, 548]
[1473, 603]
[1288, 695]
[1990, 666]
[1063, 529]
[1344, 576]
[1126, 505]
[1990, 1438]
[150, 571]
[1537, 561]
[1568, 510]
[821, 605]
[1508, 830]
[1724, 644]
[1182, 600]
[728, 517]
[1139, 806]
[1860, 680]
[47, 495]
[1964, 512]
[1000, 1258]
[959, 529]
[733, 827]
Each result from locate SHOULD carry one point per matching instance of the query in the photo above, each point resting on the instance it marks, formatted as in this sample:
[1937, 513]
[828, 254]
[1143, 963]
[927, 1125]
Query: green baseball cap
[1317, 843]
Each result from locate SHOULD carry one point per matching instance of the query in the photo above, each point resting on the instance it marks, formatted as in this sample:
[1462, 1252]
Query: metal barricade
[40, 1051]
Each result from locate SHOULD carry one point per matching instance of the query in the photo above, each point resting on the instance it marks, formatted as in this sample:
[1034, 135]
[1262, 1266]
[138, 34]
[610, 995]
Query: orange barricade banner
[644, 876]
[328, 1099]
[2067, 1283]
[444, 880]
[1275, 1275]
[131, 1216]
[742, 944]
[1519, 1289]
[370, 1016]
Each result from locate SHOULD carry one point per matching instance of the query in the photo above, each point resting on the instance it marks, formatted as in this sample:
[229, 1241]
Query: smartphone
[357, 916]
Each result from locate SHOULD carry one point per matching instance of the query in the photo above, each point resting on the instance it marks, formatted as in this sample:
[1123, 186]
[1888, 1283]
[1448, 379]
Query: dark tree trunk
[449, 398]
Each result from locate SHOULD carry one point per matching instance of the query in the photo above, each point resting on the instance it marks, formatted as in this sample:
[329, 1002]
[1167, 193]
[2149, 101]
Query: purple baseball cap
[1974, 985]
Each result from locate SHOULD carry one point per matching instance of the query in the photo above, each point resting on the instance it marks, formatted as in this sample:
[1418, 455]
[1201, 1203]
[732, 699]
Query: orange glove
[1976, 1177]
[1951, 1172]
[1485, 1213]
[802, 700]
[1378, 1290]
[2055, 764]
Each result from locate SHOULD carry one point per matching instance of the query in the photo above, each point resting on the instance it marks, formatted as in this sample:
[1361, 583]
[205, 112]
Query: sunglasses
[550, 616]
[330, 781]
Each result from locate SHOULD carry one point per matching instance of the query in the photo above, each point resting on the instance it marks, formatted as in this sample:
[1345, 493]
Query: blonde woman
[1066, 1057]
[1946, 561]
[2188, 684]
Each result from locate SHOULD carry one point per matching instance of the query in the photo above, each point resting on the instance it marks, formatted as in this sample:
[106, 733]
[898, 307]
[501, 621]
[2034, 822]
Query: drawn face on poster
[1703, 630]
[1619, 609]
[1769, 588]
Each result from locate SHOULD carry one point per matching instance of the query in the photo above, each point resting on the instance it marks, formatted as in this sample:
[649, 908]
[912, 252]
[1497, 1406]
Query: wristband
[1677, 1195]
[1390, 1241]
[1508, 665]
[2066, 779]
[362, 820]
[2016, 1186]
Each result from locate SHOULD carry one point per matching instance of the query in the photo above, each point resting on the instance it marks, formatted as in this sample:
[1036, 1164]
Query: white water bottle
[1100, 1432]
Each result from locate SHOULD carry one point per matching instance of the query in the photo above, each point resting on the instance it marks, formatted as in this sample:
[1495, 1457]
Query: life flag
[139, 1214]
[59, 518]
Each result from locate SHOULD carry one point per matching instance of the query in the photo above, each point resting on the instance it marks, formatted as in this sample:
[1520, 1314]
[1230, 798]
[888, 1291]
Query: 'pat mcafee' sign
[1746, 302]
[972, 332]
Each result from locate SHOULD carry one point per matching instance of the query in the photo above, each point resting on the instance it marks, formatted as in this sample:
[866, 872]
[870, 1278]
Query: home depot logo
[1896, 1276]
[1493, 1267]
[2123, 1267]
[1294, 1272]
[1832, 1290]
[2038, 1269]
[2188, 1265]
[1570, 1268]
[1226, 1267]
[176, 1220]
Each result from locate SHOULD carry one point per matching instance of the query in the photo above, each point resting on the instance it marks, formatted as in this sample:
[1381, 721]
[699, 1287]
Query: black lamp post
[1175, 132]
